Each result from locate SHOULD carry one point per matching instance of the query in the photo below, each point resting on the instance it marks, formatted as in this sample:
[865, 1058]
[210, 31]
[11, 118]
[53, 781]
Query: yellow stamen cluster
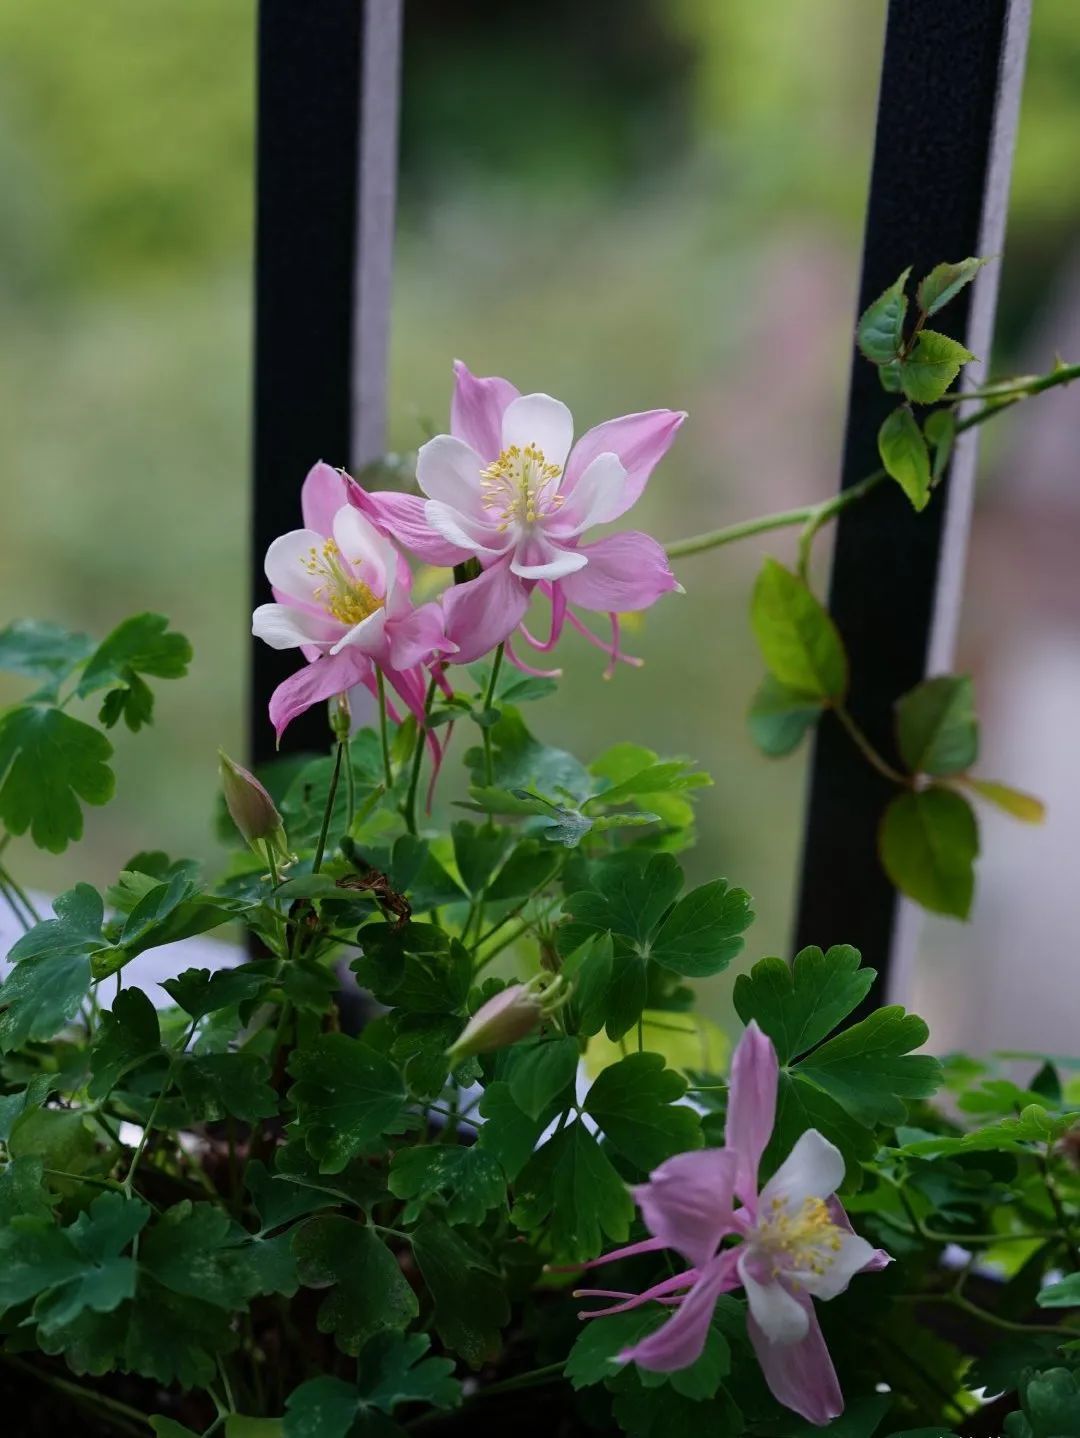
[803, 1238]
[343, 596]
[519, 486]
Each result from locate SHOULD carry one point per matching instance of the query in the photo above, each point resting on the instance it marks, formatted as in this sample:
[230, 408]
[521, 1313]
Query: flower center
[802, 1238]
[344, 597]
[520, 486]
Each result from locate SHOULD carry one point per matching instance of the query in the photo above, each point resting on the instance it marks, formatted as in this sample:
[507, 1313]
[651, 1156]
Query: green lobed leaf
[369, 1293]
[200, 992]
[143, 644]
[703, 932]
[197, 1251]
[40, 650]
[468, 1178]
[543, 1073]
[934, 362]
[798, 1006]
[478, 850]
[798, 640]
[522, 762]
[594, 1356]
[392, 1368]
[509, 1135]
[635, 1103]
[99, 1237]
[346, 1095]
[780, 717]
[471, 1306]
[937, 730]
[880, 331]
[905, 455]
[127, 1036]
[227, 1083]
[49, 762]
[928, 842]
[944, 282]
[570, 1186]
[869, 1068]
[51, 974]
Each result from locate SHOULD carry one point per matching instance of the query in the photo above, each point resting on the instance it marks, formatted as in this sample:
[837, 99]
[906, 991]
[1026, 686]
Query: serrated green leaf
[780, 717]
[929, 841]
[471, 1306]
[369, 1291]
[869, 1068]
[106, 1277]
[469, 1178]
[140, 645]
[880, 331]
[196, 1250]
[322, 1408]
[346, 1095]
[798, 640]
[543, 1073]
[394, 1368]
[800, 1105]
[798, 1006]
[936, 726]
[51, 973]
[934, 362]
[635, 1103]
[509, 1135]
[49, 762]
[944, 282]
[477, 852]
[905, 455]
[200, 992]
[703, 932]
[570, 1187]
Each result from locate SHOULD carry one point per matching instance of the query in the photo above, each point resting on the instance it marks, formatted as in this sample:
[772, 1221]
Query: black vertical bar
[309, 65]
[950, 85]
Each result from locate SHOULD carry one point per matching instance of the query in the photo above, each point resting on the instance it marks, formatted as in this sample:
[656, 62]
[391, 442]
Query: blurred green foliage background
[628, 203]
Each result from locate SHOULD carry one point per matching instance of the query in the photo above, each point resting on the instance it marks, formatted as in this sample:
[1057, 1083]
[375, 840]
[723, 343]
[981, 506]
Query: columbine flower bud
[509, 1016]
[251, 807]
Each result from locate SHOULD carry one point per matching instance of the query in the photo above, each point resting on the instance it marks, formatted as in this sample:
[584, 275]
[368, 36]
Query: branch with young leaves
[928, 839]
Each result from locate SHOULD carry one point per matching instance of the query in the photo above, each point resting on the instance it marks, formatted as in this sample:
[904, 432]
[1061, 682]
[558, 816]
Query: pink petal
[484, 611]
[838, 1214]
[687, 1202]
[476, 410]
[402, 515]
[751, 1109]
[662, 1292]
[322, 680]
[558, 618]
[625, 571]
[417, 636]
[325, 491]
[679, 1342]
[640, 441]
[800, 1375]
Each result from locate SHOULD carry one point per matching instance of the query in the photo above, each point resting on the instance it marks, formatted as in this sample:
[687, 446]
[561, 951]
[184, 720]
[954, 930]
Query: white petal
[463, 531]
[777, 1312]
[596, 498]
[283, 627]
[853, 1255]
[539, 420]
[369, 554]
[367, 636]
[285, 563]
[447, 469]
[813, 1169]
[537, 558]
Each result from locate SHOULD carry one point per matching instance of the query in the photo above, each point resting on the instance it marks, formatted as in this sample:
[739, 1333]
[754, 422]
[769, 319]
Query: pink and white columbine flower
[508, 486]
[796, 1244]
[341, 594]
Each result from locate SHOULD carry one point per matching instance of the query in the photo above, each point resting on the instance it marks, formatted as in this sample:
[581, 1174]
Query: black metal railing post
[328, 75]
[947, 110]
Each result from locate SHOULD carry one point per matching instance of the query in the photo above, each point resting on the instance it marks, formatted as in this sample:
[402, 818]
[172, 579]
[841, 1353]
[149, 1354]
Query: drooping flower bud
[251, 807]
[501, 1021]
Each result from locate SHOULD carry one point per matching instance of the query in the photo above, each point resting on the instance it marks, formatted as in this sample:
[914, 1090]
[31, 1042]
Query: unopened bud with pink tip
[251, 808]
[511, 1015]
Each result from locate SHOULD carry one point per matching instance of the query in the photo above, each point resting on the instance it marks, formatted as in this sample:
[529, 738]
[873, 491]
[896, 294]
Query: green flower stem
[533, 1379]
[867, 750]
[1067, 1231]
[489, 699]
[320, 848]
[20, 893]
[174, 1058]
[350, 785]
[965, 1305]
[1021, 389]
[9, 898]
[409, 810]
[122, 1414]
[384, 733]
